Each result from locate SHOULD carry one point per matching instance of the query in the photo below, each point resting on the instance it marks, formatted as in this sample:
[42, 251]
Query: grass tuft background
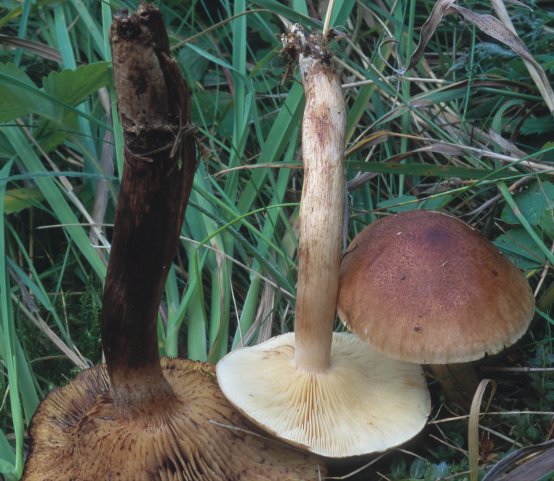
[463, 123]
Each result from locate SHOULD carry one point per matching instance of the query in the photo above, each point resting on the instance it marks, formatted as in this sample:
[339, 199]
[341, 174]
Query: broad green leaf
[437, 472]
[194, 65]
[417, 468]
[62, 91]
[532, 203]
[547, 222]
[436, 202]
[74, 86]
[16, 94]
[51, 134]
[538, 125]
[520, 248]
[16, 200]
[402, 203]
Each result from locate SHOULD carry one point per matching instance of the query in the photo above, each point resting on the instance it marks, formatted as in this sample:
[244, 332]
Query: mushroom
[325, 392]
[424, 287]
[139, 419]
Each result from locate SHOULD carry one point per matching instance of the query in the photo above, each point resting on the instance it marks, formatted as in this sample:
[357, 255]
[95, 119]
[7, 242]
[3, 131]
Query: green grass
[465, 130]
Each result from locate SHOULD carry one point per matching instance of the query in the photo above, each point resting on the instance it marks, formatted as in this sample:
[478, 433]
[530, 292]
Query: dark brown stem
[154, 106]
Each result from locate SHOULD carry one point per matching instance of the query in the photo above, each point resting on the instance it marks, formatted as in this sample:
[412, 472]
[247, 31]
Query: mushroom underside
[78, 435]
[365, 403]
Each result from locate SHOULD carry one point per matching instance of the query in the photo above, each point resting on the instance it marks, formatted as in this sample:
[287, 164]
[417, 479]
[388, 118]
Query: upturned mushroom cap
[425, 287]
[365, 403]
[79, 435]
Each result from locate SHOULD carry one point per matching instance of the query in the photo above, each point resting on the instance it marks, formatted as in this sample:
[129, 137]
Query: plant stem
[327, 21]
[154, 105]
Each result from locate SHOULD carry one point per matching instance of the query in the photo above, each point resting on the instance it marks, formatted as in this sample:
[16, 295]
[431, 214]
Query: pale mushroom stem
[321, 208]
[154, 105]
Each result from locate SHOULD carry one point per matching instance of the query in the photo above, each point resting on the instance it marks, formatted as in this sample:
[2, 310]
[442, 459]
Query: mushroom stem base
[136, 391]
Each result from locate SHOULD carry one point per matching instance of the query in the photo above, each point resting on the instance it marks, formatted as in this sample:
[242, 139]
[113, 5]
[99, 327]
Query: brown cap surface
[364, 403]
[77, 434]
[425, 287]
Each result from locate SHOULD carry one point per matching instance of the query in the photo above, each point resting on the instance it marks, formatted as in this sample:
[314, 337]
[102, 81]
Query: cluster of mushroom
[419, 288]
[325, 392]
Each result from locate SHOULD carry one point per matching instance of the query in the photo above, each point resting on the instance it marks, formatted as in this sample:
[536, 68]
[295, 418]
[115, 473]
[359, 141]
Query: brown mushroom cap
[425, 287]
[79, 435]
[364, 403]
